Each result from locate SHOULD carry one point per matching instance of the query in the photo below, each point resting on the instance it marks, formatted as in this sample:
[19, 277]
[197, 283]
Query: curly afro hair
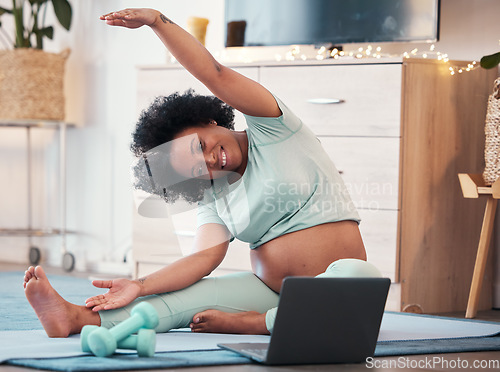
[169, 115]
[161, 122]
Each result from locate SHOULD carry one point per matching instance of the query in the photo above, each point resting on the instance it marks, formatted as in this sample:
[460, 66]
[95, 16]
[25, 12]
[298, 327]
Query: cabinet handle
[325, 101]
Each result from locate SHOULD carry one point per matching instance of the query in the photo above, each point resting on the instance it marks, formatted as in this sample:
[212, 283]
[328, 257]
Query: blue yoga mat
[77, 289]
[132, 362]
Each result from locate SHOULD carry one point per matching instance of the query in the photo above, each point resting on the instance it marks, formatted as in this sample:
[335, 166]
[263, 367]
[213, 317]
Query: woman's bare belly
[306, 252]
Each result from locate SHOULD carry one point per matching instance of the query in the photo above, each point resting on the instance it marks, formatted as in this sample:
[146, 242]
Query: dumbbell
[103, 342]
[144, 342]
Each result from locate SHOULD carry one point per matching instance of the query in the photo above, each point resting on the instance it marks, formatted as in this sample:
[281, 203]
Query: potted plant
[31, 79]
[490, 61]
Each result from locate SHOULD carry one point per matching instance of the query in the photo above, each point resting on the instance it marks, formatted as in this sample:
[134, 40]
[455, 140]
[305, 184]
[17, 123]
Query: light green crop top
[289, 184]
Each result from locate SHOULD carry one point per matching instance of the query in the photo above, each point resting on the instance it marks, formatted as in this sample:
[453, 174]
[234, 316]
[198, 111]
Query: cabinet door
[369, 168]
[379, 229]
[164, 81]
[369, 95]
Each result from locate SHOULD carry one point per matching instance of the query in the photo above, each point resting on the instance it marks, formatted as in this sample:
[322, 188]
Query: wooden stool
[472, 187]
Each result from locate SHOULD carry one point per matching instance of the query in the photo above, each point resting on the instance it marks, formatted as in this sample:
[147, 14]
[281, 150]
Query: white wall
[100, 87]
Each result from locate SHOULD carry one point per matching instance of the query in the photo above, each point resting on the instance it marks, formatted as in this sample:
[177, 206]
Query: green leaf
[3, 11]
[40, 2]
[21, 40]
[45, 32]
[490, 61]
[62, 8]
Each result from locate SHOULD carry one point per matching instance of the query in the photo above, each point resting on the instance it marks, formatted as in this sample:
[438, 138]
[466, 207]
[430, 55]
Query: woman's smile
[223, 157]
[206, 150]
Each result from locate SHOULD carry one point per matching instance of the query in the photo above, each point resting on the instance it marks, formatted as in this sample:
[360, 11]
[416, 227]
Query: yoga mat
[36, 344]
[132, 362]
[23, 341]
[400, 333]
[414, 327]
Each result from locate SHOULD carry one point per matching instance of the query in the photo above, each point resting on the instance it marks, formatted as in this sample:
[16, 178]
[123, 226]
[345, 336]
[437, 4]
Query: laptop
[322, 320]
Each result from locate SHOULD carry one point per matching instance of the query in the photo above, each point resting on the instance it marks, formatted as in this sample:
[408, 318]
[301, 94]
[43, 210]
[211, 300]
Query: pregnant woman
[271, 185]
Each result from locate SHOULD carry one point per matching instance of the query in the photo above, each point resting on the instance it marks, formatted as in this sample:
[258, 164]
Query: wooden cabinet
[443, 134]
[399, 131]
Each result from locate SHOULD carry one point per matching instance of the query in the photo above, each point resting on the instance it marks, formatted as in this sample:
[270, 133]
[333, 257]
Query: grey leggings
[230, 293]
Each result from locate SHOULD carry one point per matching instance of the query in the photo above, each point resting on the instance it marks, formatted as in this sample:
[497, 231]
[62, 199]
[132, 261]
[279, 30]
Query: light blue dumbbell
[144, 342]
[103, 342]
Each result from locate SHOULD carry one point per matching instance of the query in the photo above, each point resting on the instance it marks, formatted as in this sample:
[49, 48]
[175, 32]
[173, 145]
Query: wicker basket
[492, 132]
[31, 84]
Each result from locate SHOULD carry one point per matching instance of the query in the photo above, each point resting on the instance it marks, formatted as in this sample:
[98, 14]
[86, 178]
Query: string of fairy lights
[432, 53]
[376, 52]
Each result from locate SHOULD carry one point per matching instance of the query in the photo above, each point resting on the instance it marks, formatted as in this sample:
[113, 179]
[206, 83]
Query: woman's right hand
[131, 18]
[121, 293]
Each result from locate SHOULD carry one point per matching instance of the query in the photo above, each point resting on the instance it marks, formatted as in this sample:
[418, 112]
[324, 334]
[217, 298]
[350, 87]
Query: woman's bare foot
[58, 317]
[215, 321]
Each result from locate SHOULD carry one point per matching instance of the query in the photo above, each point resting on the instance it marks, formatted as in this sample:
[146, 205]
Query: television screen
[319, 22]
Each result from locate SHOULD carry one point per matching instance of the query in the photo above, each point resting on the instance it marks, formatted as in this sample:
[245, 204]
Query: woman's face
[207, 152]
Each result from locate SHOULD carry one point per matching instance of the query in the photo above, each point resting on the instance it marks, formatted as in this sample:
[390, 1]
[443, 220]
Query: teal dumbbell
[144, 342]
[103, 342]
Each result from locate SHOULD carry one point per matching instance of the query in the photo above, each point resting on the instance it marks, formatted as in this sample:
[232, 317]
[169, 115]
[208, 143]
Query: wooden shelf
[473, 185]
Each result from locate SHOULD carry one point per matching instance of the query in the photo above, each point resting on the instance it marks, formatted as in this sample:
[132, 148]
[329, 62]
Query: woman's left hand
[131, 18]
[121, 292]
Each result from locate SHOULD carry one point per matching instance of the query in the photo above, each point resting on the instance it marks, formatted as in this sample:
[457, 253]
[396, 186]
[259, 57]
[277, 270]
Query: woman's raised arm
[245, 95]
